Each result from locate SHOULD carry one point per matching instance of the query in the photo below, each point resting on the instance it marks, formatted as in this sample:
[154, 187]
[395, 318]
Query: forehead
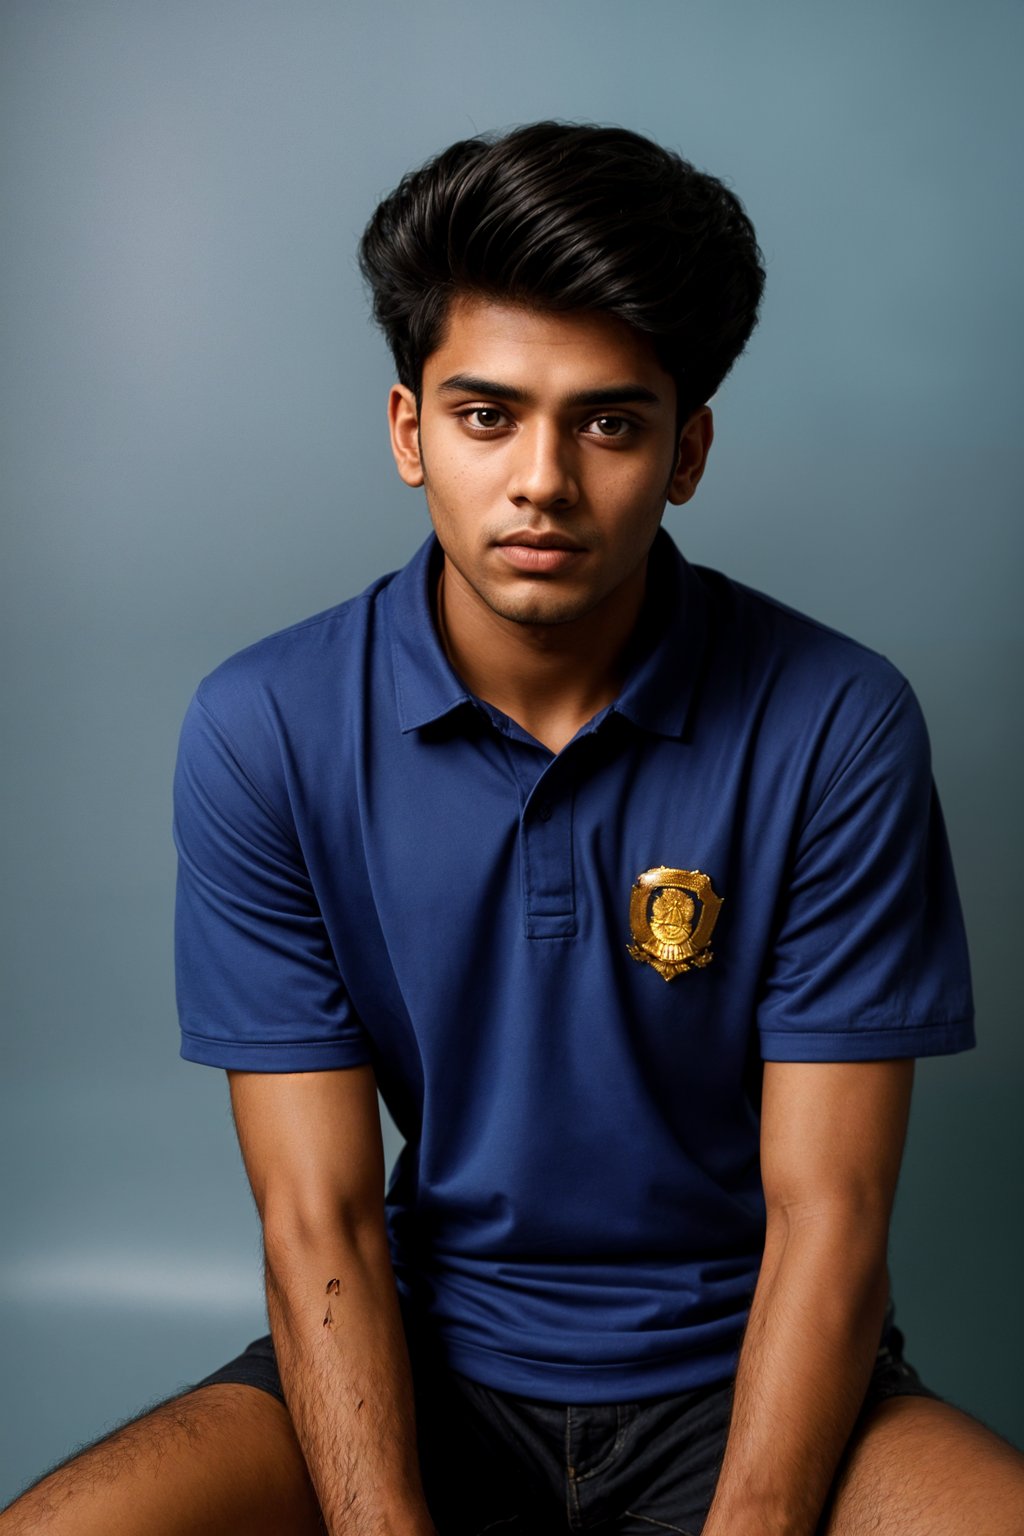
[523, 346]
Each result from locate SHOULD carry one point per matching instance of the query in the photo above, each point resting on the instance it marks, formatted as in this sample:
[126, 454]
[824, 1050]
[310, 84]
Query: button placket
[545, 842]
[545, 835]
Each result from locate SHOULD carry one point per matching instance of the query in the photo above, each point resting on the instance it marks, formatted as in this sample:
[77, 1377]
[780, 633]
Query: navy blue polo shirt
[567, 969]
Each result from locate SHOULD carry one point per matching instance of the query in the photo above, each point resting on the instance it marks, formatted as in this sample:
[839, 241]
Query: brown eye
[486, 416]
[612, 426]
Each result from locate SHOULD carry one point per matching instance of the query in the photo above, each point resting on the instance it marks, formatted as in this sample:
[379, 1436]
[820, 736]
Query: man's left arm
[832, 1137]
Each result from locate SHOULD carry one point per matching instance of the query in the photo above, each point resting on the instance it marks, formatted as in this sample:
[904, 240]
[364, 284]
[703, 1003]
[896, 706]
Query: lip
[539, 552]
[537, 558]
[526, 538]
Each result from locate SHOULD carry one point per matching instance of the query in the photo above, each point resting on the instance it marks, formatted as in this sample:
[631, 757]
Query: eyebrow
[614, 394]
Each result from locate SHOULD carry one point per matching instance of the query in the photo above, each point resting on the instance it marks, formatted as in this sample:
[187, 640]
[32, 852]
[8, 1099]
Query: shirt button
[545, 810]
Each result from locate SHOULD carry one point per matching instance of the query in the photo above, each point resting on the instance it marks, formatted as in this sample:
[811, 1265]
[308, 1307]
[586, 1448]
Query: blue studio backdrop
[195, 454]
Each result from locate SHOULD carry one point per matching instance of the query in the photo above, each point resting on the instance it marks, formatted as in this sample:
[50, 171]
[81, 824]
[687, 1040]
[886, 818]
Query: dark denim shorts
[515, 1466]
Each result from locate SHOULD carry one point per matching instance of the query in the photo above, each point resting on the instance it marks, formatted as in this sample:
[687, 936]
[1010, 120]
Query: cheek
[454, 502]
[638, 492]
[457, 475]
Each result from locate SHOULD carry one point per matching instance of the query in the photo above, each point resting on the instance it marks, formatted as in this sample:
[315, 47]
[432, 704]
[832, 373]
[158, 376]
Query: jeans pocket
[651, 1527]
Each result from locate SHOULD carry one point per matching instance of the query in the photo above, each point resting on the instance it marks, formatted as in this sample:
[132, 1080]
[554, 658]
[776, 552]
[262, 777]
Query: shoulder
[764, 631]
[765, 644]
[285, 681]
[821, 701]
[276, 715]
[304, 650]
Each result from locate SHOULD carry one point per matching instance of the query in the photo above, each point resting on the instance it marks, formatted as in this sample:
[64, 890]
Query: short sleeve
[870, 958]
[258, 985]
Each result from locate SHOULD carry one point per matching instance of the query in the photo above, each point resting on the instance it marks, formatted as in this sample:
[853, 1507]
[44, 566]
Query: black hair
[563, 216]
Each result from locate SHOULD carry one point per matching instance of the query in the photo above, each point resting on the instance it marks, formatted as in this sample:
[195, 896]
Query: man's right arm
[313, 1152]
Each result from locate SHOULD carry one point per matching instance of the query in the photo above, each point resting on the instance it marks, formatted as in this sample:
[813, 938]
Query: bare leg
[218, 1461]
[922, 1468]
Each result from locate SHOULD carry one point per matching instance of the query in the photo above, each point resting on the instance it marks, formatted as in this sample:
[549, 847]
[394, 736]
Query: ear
[695, 441]
[403, 422]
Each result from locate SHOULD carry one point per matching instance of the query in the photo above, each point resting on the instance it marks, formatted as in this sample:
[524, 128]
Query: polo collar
[669, 647]
[426, 688]
[667, 650]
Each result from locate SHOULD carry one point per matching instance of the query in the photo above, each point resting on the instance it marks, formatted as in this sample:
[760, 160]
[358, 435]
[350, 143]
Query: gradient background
[195, 455]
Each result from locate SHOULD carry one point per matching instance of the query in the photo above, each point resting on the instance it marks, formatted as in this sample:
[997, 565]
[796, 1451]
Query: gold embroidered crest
[662, 907]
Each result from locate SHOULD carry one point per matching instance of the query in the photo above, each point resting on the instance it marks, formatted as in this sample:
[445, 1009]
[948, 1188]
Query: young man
[625, 886]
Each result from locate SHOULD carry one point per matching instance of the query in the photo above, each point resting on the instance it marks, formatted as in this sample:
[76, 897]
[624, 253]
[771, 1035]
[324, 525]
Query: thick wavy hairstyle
[563, 216]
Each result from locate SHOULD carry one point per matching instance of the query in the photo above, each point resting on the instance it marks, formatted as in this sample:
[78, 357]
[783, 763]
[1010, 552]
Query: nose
[542, 473]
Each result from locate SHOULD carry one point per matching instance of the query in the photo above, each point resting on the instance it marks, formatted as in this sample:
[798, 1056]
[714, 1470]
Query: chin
[546, 608]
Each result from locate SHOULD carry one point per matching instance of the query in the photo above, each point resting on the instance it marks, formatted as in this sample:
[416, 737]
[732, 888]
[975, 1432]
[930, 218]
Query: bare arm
[312, 1148]
[831, 1141]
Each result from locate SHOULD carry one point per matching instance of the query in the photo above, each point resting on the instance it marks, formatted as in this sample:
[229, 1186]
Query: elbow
[854, 1221]
[844, 1242]
[329, 1230]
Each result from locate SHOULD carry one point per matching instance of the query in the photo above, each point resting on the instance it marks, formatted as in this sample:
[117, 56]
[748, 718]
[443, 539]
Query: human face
[547, 447]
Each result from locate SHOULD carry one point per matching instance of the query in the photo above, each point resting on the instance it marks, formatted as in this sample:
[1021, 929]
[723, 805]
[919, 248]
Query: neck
[550, 678]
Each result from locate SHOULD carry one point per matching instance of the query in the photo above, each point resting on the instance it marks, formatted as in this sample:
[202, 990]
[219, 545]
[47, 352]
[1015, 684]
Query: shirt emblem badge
[672, 913]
